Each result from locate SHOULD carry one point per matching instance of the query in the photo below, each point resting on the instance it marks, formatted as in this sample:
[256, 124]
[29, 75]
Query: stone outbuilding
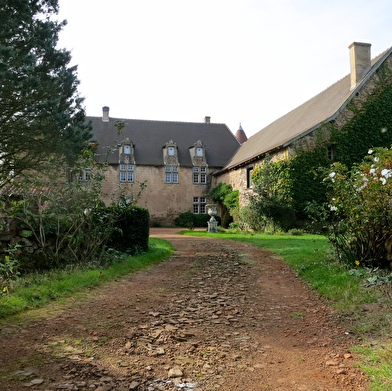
[302, 128]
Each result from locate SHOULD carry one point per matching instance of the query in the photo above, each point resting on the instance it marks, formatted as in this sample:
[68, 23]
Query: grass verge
[34, 290]
[365, 310]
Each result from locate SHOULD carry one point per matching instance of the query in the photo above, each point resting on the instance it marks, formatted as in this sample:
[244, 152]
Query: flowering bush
[360, 202]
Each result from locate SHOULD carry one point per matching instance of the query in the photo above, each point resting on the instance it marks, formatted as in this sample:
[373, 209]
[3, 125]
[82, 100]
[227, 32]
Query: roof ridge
[374, 61]
[157, 120]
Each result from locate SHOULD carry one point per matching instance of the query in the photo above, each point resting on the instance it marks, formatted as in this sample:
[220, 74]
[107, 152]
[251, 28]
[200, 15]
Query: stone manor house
[183, 161]
[178, 160]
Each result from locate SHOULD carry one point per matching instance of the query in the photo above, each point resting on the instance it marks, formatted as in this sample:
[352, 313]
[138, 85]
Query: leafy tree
[41, 112]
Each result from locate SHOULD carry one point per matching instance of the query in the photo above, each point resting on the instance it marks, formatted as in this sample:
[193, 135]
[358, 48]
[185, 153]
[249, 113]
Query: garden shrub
[131, 228]
[250, 220]
[359, 210]
[198, 220]
[271, 200]
[56, 217]
[228, 199]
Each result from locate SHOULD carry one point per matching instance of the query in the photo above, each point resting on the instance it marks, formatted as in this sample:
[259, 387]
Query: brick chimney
[105, 114]
[360, 61]
[207, 120]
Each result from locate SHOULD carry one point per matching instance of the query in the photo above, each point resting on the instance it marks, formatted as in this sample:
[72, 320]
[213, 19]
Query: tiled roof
[302, 120]
[149, 137]
[23, 190]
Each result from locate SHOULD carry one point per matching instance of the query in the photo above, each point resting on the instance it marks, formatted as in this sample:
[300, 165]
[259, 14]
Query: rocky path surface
[218, 315]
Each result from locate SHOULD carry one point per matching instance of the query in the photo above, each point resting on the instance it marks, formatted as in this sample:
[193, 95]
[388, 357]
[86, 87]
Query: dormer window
[198, 154]
[126, 152]
[170, 154]
[127, 149]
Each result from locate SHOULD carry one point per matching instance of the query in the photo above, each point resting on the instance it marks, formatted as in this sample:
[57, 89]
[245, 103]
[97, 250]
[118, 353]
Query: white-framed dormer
[170, 161]
[198, 154]
[200, 167]
[126, 152]
[126, 166]
[170, 153]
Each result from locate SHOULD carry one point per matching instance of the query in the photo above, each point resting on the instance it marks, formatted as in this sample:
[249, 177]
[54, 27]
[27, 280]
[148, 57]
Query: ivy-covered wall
[370, 127]
[367, 125]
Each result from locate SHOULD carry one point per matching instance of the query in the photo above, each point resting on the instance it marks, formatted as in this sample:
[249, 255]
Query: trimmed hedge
[200, 220]
[132, 230]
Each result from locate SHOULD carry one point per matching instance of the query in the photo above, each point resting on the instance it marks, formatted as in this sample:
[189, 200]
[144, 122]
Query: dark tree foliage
[41, 112]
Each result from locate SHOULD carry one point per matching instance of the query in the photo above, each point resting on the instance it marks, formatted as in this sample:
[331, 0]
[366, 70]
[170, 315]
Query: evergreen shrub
[198, 220]
[132, 229]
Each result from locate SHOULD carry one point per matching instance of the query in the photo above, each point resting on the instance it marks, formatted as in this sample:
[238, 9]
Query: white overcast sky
[248, 61]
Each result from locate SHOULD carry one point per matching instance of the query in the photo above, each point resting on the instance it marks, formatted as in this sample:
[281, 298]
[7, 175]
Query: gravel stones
[219, 318]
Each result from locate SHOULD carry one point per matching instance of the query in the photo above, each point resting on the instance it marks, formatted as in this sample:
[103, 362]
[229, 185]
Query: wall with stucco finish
[165, 201]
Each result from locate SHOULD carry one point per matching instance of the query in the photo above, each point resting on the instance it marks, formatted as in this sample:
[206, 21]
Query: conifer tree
[41, 112]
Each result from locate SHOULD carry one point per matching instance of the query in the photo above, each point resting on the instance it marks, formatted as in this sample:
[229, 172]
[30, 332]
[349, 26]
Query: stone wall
[238, 178]
[16, 238]
[165, 201]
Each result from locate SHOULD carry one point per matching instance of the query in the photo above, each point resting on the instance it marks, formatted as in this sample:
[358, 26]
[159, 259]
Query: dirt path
[218, 315]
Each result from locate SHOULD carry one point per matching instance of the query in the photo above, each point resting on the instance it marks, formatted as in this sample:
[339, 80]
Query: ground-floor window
[331, 152]
[249, 182]
[85, 175]
[199, 205]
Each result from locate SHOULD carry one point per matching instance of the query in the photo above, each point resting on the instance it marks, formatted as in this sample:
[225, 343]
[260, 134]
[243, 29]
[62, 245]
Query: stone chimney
[105, 114]
[207, 120]
[360, 61]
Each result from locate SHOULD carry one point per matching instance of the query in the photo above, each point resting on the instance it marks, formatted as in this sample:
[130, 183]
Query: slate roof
[304, 119]
[149, 137]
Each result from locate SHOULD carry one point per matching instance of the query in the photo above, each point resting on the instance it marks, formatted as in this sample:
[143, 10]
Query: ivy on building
[370, 127]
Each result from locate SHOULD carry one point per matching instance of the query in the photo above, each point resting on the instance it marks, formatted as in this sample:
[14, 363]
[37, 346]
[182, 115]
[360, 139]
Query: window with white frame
[127, 173]
[85, 175]
[127, 149]
[171, 151]
[199, 152]
[199, 205]
[200, 175]
[171, 174]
